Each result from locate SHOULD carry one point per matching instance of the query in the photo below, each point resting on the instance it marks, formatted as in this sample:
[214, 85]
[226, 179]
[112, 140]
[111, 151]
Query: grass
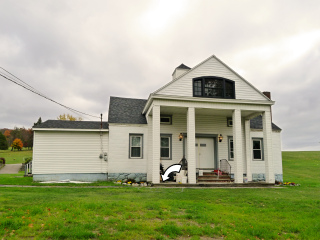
[13, 157]
[156, 213]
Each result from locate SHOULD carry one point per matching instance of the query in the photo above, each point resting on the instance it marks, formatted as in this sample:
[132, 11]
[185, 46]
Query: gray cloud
[82, 52]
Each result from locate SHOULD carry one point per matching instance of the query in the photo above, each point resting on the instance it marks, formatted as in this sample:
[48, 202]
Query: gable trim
[225, 65]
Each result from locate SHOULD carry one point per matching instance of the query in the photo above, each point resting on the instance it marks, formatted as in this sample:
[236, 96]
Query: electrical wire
[35, 91]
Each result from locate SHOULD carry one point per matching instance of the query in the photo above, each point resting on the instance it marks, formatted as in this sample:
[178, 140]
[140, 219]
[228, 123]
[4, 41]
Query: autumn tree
[7, 134]
[68, 117]
[3, 142]
[27, 137]
[17, 144]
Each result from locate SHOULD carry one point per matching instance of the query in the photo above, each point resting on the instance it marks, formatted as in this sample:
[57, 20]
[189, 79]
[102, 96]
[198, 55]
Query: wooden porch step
[214, 174]
[215, 181]
[213, 177]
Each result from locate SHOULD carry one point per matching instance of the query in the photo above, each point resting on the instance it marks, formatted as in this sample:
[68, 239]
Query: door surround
[203, 135]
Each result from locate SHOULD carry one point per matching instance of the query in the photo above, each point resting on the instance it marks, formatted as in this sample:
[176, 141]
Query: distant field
[156, 213]
[16, 156]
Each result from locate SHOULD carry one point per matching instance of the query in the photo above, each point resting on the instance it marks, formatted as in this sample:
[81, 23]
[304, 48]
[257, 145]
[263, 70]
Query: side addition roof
[256, 123]
[73, 124]
[126, 110]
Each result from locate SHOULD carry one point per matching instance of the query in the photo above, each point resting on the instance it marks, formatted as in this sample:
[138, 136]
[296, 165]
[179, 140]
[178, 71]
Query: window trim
[224, 80]
[262, 149]
[166, 116]
[170, 146]
[141, 147]
[229, 148]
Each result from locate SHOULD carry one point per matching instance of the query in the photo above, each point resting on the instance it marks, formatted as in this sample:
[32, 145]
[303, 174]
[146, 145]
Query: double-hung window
[257, 145]
[231, 149]
[136, 142]
[165, 146]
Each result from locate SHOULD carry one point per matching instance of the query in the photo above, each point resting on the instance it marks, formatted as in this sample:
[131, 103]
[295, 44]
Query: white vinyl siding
[119, 157]
[69, 152]
[212, 67]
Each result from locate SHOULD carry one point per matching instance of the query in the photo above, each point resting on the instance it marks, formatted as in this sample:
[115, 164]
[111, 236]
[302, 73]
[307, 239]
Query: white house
[205, 114]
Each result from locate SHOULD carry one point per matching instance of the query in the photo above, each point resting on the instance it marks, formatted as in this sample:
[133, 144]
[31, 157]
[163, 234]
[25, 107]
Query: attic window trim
[169, 117]
[199, 89]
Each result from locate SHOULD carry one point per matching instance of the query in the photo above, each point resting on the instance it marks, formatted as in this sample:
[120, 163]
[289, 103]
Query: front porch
[201, 125]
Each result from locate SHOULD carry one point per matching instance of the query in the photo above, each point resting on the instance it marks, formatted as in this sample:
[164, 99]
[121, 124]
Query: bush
[2, 160]
[27, 160]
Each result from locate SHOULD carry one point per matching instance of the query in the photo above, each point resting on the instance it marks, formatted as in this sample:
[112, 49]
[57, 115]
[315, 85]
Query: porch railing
[225, 166]
[28, 168]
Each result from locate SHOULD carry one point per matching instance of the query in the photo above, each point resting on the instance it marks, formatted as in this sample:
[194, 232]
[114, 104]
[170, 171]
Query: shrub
[2, 160]
[27, 160]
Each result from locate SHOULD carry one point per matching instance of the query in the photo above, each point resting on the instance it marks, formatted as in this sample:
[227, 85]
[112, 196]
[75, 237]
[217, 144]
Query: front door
[204, 153]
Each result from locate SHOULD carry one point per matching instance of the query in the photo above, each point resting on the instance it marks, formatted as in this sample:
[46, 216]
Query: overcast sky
[82, 52]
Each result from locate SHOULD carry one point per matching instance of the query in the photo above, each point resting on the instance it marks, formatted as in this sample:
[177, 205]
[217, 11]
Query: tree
[17, 144]
[68, 117]
[3, 142]
[8, 136]
[27, 137]
[38, 122]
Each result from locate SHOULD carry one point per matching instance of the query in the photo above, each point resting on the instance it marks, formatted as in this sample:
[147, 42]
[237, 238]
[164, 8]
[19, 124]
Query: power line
[35, 91]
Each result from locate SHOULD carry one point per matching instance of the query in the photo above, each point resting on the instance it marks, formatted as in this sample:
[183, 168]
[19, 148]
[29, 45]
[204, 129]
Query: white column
[237, 145]
[267, 146]
[191, 134]
[156, 144]
[150, 146]
[248, 149]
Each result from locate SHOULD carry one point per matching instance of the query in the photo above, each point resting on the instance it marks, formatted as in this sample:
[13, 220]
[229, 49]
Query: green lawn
[157, 213]
[16, 156]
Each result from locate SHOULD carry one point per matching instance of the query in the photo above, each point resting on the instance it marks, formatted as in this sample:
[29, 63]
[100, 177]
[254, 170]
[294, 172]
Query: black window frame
[229, 122]
[166, 116]
[130, 146]
[230, 138]
[195, 89]
[261, 149]
[170, 146]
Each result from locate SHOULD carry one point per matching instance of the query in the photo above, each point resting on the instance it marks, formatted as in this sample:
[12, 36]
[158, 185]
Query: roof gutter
[70, 130]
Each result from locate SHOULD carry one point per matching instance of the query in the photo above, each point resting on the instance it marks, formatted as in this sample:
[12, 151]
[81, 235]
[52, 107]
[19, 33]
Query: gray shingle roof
[256, 123]
[183, 66]
[73, 124]
[126, 110]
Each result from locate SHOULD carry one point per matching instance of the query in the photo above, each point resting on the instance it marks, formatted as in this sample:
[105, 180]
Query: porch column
[248, 149]
[150, 146]
[267, 146]
[191, 134]
[156, 144]
[237, 145]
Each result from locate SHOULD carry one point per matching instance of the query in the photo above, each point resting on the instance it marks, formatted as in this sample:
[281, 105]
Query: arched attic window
[213, 87]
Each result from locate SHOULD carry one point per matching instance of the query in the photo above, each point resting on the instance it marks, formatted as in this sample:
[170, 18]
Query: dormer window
[213, 87]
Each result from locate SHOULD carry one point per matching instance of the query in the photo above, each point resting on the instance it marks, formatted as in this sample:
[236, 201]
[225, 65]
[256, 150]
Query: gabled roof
[256, 123]
[183, 66]
[203, 62]
[73, 124]
[126, 110]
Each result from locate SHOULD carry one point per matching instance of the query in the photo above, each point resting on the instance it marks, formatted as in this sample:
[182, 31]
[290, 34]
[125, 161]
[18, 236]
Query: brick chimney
[267, 94]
